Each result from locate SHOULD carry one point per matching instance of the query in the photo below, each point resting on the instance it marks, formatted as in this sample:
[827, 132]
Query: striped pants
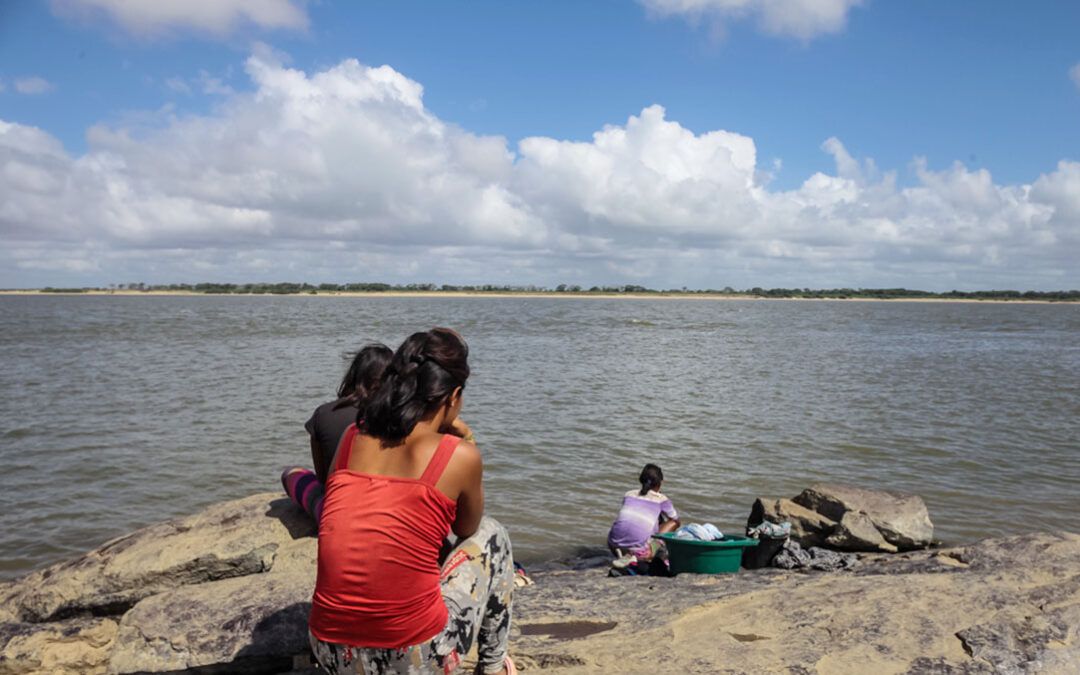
[304, 488]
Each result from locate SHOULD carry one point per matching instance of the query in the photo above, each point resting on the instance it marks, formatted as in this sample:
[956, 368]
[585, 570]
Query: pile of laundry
[793, 557]
[767, 530]
[778, 550]
[706, 532]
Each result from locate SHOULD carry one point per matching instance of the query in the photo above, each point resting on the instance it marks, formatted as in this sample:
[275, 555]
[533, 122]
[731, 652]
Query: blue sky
[959, 122]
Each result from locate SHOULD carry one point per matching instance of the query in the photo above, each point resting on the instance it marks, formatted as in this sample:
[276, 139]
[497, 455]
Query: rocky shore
[227, 590]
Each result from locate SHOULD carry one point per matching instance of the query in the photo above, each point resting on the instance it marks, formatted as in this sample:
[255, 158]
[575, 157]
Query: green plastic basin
[705, 557]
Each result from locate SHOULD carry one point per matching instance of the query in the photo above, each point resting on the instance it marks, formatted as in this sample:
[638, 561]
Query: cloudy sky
[668, 143]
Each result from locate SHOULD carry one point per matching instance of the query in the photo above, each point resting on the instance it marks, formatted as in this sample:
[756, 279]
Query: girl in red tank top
[384, 601]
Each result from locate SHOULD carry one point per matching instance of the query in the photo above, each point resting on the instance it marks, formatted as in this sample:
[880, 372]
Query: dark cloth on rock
[793, 557]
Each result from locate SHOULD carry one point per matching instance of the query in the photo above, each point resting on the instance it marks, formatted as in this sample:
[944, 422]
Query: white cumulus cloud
[1074, 74]
[343, 174]
[146, 18]
[651, 175]
[803, 19]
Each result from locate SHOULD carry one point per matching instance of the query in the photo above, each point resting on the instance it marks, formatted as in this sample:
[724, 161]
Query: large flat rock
[999, 606]
[228, 592]
[226, 540]
[252, 624]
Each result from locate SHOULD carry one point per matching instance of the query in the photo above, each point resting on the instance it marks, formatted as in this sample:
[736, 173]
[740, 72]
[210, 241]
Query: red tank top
[379, 540]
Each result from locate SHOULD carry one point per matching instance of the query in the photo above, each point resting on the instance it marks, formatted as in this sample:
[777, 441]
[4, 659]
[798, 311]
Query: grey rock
[939, 666]
[902, 519]
[242, 541]
[1016, 641]
[232, 539]
[250, 624]
[9, 591]
[808, 527]
[856, 532]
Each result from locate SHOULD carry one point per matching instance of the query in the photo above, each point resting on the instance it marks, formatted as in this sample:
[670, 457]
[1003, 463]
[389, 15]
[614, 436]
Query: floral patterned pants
[477, 586]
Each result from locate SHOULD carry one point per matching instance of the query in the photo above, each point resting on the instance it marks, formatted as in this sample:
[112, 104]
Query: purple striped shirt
[639, 518]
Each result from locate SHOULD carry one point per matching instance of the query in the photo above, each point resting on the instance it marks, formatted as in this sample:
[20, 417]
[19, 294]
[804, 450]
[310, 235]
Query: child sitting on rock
[644, 512]
[328, 424]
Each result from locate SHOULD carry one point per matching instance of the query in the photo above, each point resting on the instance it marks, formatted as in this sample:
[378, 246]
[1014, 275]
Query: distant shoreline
[660, 295]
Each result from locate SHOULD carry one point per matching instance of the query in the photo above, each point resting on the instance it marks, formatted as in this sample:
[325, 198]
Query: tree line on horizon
[290, 288]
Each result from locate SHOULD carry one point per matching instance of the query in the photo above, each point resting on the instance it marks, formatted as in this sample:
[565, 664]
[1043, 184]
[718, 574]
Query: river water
[116, 412]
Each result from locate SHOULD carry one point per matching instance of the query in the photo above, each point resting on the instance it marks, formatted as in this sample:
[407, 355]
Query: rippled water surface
[120, 411]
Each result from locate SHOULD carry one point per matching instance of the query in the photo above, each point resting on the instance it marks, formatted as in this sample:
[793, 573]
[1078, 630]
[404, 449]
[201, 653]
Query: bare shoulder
[464, 469]
[467, 456]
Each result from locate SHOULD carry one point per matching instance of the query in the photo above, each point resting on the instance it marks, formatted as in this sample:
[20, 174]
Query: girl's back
[379, 541]
[639, 518]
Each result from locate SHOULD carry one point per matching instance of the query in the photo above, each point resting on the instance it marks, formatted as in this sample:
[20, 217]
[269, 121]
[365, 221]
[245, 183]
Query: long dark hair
[425, 371]
[364, 374]
[651, 477]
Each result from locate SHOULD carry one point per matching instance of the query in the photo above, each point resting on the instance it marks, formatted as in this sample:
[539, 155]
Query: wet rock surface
[227, 590]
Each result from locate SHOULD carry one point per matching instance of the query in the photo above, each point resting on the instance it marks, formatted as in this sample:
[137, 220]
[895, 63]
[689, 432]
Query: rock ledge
[228, 589]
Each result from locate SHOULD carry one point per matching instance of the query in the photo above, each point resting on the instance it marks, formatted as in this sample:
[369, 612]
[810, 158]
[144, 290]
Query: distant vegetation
[567, 289]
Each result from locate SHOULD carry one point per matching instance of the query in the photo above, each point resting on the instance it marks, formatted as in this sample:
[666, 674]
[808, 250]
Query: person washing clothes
[644, 512]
